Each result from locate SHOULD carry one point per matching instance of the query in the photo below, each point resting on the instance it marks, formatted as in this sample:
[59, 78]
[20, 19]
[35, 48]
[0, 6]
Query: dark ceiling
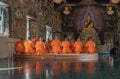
[99, 1]
[76, 1]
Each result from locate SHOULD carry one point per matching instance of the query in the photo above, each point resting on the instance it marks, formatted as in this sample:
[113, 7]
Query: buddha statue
[89, 30]
[88, 24]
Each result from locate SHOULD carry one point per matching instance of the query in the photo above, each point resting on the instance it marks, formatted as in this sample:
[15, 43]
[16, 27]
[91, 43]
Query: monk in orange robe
[19, 47]
[66, 46]
[78, 46]
[56, 46]
[90, 46]
[29, 46]
[40, 47]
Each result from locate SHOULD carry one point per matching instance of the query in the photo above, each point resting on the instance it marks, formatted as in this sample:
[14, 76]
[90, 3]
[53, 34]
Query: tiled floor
[105, 68]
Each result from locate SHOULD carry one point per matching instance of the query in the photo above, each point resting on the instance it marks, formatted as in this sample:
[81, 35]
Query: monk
[90, 46]
[19, 47]
[78, 46]
[40, 47]
[29, 46]
[66, 46]
[56, 46]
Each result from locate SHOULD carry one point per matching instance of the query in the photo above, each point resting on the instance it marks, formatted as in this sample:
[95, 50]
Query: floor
[105, 68]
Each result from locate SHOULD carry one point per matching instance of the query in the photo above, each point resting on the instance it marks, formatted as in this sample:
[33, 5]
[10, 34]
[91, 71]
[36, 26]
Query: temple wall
[7, 47]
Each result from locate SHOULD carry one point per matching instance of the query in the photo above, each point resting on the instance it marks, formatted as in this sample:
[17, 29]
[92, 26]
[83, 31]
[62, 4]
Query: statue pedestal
[86, 33]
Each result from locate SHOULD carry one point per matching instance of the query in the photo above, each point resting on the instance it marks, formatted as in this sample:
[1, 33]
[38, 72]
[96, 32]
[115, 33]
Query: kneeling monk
[40, 47]
[19, 47]
[78, 46]
[90, 45]
[56, 46]
[66, 46]
[29, 46]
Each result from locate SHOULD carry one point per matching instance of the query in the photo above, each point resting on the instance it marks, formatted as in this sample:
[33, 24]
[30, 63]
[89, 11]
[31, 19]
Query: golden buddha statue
[88, 24]
[88, 30]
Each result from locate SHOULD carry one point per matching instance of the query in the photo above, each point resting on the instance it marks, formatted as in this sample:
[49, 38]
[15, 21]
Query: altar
[89, 31]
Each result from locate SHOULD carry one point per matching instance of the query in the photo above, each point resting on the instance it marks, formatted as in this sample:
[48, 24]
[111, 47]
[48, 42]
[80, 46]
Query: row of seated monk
[38, 46]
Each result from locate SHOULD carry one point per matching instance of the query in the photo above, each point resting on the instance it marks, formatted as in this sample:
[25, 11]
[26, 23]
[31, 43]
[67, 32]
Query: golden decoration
[66, 11]
[110, 11]
[115, 1]
[57, 1]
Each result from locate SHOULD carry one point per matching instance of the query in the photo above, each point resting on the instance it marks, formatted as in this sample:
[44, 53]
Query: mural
[18, 28]
[4, 20]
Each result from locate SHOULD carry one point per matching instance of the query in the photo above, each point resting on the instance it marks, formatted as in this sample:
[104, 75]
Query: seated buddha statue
[89, 30]
[88, 24]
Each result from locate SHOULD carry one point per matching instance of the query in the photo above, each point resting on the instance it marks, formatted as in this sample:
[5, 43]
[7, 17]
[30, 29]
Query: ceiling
[99, 1]
[76, 1]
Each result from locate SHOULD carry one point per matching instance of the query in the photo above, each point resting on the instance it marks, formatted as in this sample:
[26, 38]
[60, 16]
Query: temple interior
[59, 39]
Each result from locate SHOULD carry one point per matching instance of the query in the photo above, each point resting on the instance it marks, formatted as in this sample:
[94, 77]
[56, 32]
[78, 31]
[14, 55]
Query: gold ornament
[57, 1]
[66, 11]
[110, 11]
[115, 1]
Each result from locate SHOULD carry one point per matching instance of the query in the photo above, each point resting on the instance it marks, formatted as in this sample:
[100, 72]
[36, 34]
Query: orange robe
[19, 47]
[56, 46]
[78, 47]
[90, 47]
[29, 47]
[66, 47]
[40, 48]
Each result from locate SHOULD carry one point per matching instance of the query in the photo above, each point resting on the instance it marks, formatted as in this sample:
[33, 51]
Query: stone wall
[7, 46]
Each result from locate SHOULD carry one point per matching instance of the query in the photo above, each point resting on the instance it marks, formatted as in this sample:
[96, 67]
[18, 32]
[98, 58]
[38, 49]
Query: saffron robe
[78, 47]
[19, 47]
[40, 48]
[56, 46]
[90, 45]
[29, 47]
[66, 47]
